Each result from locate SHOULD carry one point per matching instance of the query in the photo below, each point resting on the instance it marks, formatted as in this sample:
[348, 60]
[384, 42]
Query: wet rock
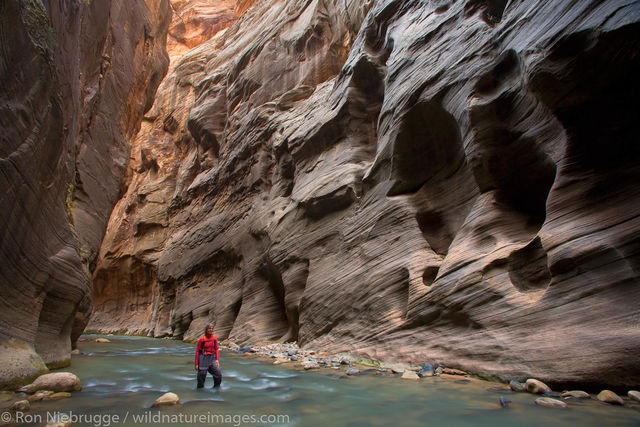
[353, 371]
[634, 395]
[410, 375]
[75, 352]
[59, 395]
[536, 387]
[504, 402]
[58, 381]
[167, 399]
[398, 368]
[608, 396]
[576, 394]
[21, 405]
[344, 361]
[426, 370]
[310, 365]
[517, 386]
[102, 340]
[550, 403]
[40, 395]
[451, 371]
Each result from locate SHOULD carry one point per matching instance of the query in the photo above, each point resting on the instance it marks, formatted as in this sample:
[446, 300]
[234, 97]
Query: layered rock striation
[75, 79]
[445, 181]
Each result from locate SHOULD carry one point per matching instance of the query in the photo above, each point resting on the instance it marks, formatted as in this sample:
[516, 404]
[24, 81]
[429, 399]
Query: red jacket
[207, 345]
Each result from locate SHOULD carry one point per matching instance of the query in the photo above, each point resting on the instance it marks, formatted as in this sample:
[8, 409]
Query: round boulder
[58, 381]
[576, 394]
[634, 395]
[607, 396]
[410, 375]
[536, 387]
[167, 399]
[550, 403]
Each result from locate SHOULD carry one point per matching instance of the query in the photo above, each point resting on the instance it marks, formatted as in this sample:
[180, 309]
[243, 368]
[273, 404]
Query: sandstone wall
[453, 182]
[75, 79]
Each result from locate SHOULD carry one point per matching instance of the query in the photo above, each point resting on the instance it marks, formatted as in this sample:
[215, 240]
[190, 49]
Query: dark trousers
[207, 363]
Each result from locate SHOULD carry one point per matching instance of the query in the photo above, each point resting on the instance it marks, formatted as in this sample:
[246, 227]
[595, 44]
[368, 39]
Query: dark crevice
[528, 269]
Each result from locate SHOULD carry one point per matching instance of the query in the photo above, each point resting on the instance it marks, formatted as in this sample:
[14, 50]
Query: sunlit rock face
[75, 79]
[452, 182]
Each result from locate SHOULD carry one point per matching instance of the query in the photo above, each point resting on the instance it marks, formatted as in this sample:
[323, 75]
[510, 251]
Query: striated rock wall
[75, 79]
[444, 181]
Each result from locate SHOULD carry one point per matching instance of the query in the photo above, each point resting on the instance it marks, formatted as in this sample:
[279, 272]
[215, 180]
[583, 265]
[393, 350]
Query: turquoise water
[123, 378]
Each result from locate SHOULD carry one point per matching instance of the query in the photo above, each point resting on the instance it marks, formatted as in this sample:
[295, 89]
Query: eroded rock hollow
[444, 181]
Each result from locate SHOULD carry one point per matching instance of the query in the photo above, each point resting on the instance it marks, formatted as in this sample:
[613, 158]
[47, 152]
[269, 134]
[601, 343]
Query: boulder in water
[167, 399]
[353, 371]
[576, 394]
[536, 387]
[58, 381]
[102, 340]
[21, 405]
[550, 403]
[635, 395]
[516, 386]
[607, 396]
[410, 375]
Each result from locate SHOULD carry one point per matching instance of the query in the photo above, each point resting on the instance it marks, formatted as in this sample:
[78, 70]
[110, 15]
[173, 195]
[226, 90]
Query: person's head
[208, 330]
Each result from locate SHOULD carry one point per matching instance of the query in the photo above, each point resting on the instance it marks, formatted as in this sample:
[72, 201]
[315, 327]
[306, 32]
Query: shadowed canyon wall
[75, 80]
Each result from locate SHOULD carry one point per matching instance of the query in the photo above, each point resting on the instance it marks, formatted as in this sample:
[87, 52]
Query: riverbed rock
[426, 370]
[167, 399]
[536, 386]
[58, 381]
[59, 395]
[310, 365]
[451, 371]
[634, 395]
[504, 402]
[21, 405]
[576, 394]
[550, 403]
[517, 386]
[608, 396]
[398, 368]
[410, 375]
[102, 340]
[75, 352]
[353, 371]
[40, 395]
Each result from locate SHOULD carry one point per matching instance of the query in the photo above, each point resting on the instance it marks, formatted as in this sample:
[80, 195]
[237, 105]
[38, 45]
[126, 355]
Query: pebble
[516, 386]
[550, 403]
[451, 371]
[504, 402]
[59, 395]
[167, 399]
[353, 371]
[40, 395]
[310, 365]
[21, 405]
[577, 394]
[410, 375]
[607, 396]
[536, 387]
[635, 395]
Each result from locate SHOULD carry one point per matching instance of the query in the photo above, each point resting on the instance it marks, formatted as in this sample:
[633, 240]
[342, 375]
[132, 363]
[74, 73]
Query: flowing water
[123, 378]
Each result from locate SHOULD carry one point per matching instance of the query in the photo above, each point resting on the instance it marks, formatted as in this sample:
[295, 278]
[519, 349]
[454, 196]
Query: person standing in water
[207, 357]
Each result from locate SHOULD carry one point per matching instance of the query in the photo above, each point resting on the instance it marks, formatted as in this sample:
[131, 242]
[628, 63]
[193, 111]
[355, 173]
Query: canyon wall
[75, 80]
[443, 181]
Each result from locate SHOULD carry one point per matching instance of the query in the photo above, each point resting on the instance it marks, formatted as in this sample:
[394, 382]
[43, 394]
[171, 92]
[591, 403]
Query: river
[123, 378]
